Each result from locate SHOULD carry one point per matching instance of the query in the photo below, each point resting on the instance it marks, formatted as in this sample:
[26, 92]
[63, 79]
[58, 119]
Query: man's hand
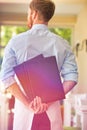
[37, 106]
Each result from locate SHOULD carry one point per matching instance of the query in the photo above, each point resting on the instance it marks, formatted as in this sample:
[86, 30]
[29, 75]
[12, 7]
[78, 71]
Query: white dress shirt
[38, 40]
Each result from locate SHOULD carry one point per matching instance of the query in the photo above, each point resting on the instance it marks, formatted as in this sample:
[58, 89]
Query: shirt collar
[40, 26]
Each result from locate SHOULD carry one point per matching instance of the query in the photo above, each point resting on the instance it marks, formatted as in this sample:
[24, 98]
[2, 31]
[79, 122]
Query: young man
[37, 115]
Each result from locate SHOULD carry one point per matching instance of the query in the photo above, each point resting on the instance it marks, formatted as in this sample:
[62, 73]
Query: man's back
[39, 40]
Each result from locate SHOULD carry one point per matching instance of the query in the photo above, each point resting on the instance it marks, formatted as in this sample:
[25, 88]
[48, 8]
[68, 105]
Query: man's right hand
[37, 106]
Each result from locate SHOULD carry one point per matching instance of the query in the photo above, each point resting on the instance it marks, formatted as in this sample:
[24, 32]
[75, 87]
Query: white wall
[80, 35]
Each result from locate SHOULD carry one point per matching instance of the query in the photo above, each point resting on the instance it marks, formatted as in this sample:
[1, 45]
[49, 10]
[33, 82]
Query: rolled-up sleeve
[69, 69]
[9, 61]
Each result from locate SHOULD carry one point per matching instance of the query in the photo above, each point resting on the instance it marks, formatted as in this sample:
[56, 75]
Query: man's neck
[40, 22]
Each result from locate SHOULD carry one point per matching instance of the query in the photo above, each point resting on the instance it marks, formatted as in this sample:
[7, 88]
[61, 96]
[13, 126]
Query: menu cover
[40, 76]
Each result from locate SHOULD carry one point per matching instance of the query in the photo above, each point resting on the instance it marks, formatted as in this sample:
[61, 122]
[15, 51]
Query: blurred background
[70, 22]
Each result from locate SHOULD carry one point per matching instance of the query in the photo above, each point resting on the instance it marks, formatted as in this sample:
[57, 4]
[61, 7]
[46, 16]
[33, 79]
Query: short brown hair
[45, 7]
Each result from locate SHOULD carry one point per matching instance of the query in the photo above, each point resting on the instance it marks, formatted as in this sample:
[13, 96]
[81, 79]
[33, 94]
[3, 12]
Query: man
[37, 115]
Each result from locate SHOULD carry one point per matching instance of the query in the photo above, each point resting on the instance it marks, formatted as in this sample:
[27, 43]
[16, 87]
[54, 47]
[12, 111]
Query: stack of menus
[40, 76]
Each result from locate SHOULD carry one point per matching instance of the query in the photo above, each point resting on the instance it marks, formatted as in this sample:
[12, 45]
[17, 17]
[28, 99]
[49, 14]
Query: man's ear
[34, 14]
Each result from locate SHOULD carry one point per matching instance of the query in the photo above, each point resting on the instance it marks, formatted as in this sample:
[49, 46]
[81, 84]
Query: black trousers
[41, 122]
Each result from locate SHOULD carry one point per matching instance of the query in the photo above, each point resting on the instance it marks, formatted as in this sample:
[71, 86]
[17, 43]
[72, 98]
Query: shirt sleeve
[69, 69]
[9, 61]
